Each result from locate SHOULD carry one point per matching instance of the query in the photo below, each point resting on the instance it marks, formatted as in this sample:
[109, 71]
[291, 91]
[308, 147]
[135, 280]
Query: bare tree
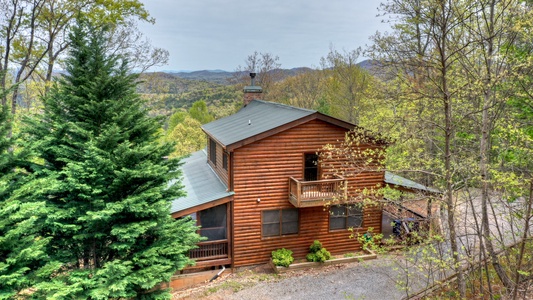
[268, 70]
[36, 36]
[347, 84]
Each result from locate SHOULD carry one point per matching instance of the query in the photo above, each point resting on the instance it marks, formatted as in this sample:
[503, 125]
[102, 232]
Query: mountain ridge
[223, 77]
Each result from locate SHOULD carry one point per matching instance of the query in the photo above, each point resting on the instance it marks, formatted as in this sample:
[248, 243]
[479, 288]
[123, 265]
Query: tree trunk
[486, 125]
[448, 115]
[522, 250]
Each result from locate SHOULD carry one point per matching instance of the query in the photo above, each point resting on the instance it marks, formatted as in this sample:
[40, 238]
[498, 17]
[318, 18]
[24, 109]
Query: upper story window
[345, 216]
[225, 161]
[213, 151]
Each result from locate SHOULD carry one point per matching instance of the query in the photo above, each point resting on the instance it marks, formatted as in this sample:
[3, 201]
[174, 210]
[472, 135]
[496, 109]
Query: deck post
[299, 192]
[345, 190]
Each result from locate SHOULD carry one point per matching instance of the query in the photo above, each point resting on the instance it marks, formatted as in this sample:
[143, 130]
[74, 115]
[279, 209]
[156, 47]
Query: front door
[310, 167]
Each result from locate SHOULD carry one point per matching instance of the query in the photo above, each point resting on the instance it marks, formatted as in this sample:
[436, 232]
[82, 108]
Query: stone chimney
[252, 91]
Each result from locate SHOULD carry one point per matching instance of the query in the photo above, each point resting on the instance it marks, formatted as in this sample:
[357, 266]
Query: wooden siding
[261, 170]
[218, 168]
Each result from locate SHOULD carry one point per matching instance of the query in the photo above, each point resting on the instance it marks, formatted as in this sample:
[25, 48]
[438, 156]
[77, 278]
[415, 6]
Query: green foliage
[199, 112]
[371, 241]
[282, 257]
[22, 250]
[320, 256]
[315, 246]
[184, 129]
[176, 118]
[188, 137]
[347, 85]
[317, 253]
[166, 93]
[100, 169]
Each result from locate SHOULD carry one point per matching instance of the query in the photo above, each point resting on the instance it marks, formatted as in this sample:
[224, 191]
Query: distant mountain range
[223, 77]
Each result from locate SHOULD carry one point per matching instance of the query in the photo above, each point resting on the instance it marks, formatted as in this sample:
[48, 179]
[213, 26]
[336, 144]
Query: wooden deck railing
[210, 250]
[315, 193]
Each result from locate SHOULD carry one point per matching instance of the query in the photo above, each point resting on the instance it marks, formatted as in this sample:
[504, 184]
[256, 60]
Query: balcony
[316, 193]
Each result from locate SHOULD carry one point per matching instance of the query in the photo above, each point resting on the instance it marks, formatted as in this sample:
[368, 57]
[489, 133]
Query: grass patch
[232, 285]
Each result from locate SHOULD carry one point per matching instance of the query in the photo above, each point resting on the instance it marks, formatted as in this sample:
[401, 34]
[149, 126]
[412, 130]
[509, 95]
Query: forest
[451, 85]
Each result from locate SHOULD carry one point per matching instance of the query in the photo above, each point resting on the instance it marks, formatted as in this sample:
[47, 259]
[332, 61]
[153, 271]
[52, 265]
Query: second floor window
[225, 161]
[213, 151]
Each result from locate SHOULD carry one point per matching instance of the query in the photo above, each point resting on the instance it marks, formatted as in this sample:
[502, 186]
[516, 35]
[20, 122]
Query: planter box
[334, 261]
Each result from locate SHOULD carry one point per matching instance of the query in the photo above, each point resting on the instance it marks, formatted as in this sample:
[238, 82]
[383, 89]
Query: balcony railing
[316, 193]
[210, 250]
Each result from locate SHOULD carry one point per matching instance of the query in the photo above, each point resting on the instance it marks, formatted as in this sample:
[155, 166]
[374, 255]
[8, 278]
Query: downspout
[218, 274]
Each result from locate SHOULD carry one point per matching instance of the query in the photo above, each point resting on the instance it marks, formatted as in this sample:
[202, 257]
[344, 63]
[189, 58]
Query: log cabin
[257, 186]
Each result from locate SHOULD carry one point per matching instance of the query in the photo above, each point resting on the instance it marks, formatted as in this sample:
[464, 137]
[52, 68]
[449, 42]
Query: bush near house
[282, 257]
[317, 252]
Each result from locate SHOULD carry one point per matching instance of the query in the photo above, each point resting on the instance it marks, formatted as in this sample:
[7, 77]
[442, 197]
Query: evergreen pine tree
[105, 181]
[22, 250]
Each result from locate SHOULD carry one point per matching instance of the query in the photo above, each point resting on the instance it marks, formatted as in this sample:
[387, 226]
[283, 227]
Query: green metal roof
[255, 118]
[200, 182]
[398, 180]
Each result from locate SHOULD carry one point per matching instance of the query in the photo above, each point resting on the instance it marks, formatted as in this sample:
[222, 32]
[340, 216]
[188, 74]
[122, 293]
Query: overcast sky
[220, 34]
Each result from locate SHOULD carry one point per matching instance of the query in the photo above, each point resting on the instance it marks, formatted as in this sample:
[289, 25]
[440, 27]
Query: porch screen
[214, 223]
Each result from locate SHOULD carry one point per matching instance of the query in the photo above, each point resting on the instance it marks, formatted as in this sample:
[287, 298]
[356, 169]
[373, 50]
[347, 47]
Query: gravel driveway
[367, 280]
[373, 279]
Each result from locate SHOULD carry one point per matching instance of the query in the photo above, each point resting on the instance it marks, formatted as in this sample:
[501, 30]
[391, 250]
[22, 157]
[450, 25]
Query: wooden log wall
[261, 170]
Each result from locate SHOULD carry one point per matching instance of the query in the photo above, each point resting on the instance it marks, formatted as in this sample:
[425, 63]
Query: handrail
[212, 242]
[339, 177]
[305, 192]
[210, 250]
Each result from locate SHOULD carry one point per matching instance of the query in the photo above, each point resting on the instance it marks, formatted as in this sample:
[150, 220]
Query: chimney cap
[252, 89]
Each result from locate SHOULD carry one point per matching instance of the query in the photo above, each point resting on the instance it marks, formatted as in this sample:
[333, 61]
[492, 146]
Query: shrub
[318, 253]
[315, 246]
[282, 257]
[371, 241]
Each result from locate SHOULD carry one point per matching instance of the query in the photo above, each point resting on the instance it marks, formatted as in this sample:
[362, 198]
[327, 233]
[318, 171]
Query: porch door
[310, 166]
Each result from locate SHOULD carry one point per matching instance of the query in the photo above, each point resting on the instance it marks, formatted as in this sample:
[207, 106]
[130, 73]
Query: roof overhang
[200, 207]
[405, 184]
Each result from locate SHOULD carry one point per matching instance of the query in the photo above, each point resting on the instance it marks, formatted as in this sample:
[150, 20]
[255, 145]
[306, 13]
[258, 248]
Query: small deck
[316, 193]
